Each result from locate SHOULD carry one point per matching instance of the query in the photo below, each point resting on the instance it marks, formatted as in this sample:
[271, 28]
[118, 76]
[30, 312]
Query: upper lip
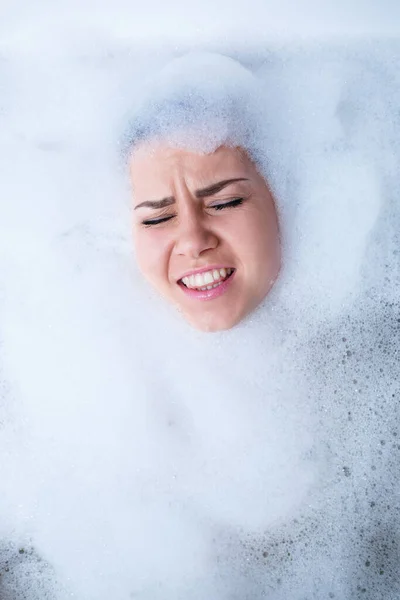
[204, 270]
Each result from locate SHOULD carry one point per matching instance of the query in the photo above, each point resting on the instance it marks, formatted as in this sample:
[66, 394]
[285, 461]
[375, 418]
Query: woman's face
[206, 231]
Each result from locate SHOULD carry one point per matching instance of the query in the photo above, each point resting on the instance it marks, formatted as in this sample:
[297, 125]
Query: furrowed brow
[216, 187]
[157, 203]
[203, 193]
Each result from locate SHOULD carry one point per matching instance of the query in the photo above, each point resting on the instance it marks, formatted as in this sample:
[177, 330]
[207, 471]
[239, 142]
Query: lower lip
[208, 294]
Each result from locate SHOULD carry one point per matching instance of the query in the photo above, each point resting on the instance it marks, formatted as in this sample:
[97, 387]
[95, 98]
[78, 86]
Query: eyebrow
[202, 193]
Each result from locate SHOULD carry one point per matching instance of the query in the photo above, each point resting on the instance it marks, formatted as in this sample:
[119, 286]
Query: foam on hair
[200, 101]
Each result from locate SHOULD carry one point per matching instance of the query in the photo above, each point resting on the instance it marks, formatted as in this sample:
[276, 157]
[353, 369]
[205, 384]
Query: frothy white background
[138, 455]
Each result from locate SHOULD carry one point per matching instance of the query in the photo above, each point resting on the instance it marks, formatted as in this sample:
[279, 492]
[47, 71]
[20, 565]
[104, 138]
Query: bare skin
[206, 231]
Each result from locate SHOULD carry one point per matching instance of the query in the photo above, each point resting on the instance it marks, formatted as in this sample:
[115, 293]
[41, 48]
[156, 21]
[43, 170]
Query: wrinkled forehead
[155, 167]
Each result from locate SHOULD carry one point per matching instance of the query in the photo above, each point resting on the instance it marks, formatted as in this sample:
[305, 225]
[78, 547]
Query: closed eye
[222, 206]
[150, 222]
[230, 204]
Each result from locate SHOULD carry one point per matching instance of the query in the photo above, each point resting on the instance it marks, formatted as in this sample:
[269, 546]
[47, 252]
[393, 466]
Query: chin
[209, 323]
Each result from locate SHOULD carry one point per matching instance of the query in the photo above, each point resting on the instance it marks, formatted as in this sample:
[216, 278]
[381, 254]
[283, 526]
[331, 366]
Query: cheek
[151, 254]
[266, 232]
[255, 236]
[256, 243]
[268, 253]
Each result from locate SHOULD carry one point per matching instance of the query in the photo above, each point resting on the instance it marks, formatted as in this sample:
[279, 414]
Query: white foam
[139, 458]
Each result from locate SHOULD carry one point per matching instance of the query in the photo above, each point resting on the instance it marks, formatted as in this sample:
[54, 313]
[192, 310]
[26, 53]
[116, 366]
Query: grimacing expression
[206, 231]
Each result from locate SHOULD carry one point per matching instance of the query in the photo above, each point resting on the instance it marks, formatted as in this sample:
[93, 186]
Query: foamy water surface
[139, 458]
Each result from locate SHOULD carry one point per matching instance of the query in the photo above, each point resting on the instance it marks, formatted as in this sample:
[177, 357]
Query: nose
[194, 237]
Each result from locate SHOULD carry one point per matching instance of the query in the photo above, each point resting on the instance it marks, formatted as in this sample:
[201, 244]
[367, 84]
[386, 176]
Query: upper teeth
[206, 280]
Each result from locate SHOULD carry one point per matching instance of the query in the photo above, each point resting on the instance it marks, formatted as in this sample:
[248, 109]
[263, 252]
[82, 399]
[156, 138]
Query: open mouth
[207, 280]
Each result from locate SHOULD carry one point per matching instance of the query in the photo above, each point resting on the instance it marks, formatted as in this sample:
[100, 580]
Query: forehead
[153, 168]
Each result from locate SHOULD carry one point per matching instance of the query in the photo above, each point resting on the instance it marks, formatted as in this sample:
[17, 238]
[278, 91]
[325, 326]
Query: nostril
[195, 239]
